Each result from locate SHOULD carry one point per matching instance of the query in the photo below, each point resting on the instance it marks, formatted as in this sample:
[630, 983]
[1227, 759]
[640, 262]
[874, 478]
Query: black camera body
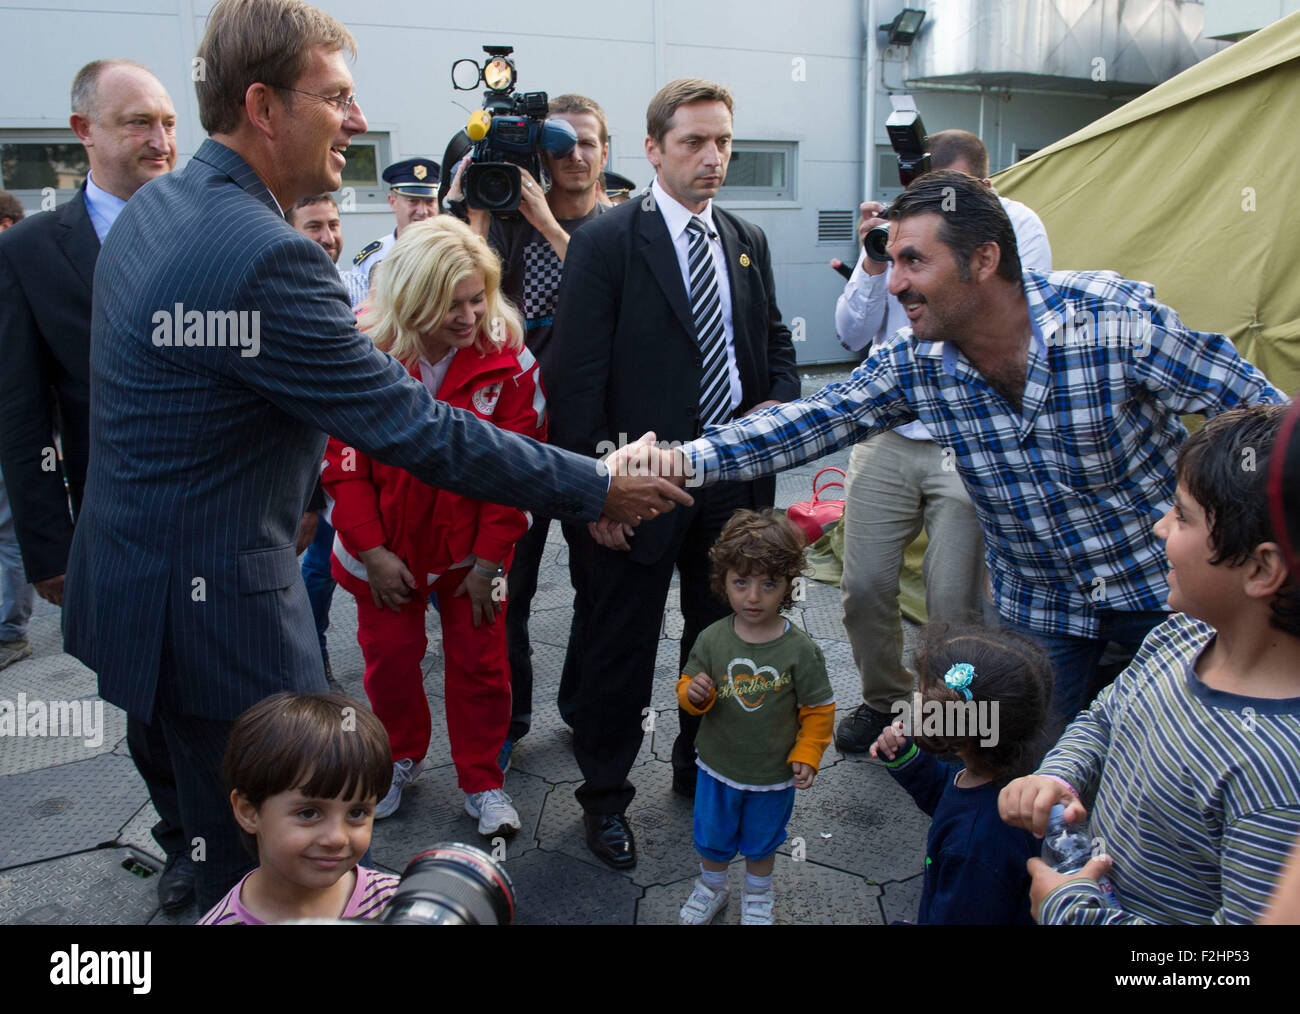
[908, 138]
[510, 133]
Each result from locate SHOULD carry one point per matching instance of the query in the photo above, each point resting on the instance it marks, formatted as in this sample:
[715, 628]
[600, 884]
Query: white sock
[757, 885]
[714, 880]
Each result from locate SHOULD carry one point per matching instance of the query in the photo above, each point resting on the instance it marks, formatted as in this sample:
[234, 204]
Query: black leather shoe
[684, 782]
[861, 728]
[176, 883]
[610, 839]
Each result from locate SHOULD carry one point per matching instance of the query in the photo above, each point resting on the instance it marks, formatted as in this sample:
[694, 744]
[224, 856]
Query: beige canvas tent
[1194, 187]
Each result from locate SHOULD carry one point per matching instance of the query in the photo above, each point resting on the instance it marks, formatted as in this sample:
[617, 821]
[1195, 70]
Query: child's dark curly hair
[1011, 671]
[758, 542]
[1224, 466]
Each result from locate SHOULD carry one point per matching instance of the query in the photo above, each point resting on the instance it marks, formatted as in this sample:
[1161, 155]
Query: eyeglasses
[344, 104]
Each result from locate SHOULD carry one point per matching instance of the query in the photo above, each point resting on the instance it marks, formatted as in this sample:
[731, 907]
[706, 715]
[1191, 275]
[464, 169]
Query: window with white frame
[761, 171]
[35, 163]
[363, 189]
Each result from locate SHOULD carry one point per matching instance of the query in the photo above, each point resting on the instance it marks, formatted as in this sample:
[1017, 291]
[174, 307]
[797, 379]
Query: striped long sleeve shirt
[1194, 792]
[1068, 485]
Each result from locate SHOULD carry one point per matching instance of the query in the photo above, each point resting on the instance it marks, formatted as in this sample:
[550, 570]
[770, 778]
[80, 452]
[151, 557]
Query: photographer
[532, 250]
[902, 479]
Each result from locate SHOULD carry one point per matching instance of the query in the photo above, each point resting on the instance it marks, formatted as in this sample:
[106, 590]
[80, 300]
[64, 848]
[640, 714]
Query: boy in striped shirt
[305, 772]
[1187, 762]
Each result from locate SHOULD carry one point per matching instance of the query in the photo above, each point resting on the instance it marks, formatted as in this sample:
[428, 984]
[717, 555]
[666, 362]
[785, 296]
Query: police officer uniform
[415, 177]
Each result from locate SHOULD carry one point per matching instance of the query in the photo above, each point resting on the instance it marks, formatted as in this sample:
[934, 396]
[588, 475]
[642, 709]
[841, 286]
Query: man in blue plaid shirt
[1057, 399]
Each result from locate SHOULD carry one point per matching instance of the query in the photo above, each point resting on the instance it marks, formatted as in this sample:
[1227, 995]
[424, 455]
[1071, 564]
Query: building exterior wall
[796, 71]
[1234, 19]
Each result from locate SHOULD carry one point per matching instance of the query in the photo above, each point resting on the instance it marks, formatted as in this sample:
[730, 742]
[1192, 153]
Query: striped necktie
[706, 308]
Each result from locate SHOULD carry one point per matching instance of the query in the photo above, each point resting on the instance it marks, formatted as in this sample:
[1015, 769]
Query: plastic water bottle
[1068, 847]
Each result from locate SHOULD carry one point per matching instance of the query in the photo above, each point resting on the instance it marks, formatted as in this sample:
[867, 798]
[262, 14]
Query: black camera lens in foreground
[453, 885]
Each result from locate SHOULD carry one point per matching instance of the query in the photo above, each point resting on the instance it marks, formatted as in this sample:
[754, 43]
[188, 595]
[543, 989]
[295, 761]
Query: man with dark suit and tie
[124, 117]
[667, 321]
[223, 351]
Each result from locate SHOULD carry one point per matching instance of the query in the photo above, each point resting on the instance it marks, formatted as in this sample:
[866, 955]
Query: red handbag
[813, 516]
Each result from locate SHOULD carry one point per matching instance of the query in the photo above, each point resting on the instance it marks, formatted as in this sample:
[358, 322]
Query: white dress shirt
[102, 206]
[677, 217]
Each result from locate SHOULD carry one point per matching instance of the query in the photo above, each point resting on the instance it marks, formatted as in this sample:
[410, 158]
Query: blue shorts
[731, 821]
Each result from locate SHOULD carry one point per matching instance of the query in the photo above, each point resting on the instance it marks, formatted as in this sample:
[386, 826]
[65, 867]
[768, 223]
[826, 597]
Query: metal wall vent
[836, 226]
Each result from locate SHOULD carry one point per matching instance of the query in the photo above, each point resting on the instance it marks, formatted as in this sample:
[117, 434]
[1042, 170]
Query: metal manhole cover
[49, 807]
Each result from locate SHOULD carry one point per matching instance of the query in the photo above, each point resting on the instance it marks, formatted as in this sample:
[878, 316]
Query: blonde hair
[415, 288]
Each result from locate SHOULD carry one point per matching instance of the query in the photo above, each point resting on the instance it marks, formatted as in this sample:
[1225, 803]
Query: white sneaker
[703, 904]
[495, 814]
[757, 910]
[404, 772]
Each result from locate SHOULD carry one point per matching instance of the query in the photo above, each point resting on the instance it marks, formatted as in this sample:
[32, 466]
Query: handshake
[645, 481]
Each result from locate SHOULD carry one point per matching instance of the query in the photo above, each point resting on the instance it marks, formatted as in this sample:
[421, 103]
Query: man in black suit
[667, 321]
[124, 117]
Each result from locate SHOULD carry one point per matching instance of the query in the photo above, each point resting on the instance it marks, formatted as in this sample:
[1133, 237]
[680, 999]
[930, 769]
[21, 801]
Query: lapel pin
[744, 260]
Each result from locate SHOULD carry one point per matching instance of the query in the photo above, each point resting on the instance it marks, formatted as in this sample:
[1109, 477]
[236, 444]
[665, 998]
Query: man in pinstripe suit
[223, 350]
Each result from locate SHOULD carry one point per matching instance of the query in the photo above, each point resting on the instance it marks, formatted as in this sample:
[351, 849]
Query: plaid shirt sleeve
[873, 399]
[1197, 371]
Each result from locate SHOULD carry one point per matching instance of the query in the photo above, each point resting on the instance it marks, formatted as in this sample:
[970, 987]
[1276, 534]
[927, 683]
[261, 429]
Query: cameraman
[901, 479]
[532, 249]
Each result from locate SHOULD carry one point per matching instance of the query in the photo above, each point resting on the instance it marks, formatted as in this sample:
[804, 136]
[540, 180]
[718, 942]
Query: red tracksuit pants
[476, 687]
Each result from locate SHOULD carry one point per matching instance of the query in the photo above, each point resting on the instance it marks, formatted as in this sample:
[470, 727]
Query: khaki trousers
[894, 487]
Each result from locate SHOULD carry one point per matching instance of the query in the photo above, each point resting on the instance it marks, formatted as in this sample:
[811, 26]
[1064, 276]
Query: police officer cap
[615, 183]
[416, 177]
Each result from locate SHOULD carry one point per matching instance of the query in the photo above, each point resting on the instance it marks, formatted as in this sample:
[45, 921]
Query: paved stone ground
[75, 845]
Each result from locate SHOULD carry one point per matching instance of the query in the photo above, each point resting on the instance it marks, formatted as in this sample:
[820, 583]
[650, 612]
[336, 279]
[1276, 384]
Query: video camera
[510, 131]
[907, 136]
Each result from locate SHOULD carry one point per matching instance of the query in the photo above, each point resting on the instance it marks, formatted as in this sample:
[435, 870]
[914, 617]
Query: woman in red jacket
[437, 308]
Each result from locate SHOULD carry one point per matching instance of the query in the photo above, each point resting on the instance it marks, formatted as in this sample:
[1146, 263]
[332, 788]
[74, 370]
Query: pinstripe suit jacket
[183, 583]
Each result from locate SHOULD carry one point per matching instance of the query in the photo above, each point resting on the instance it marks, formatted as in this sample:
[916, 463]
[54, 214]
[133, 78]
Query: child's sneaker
[405, 771]
[495, 814]
[703, 905]
[757, 910]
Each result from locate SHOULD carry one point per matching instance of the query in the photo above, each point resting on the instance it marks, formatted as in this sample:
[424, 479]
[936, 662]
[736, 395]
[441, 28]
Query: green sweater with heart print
[772, 703]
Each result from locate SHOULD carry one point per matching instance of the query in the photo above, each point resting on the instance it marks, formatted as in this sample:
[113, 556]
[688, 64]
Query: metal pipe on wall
[869, 103]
